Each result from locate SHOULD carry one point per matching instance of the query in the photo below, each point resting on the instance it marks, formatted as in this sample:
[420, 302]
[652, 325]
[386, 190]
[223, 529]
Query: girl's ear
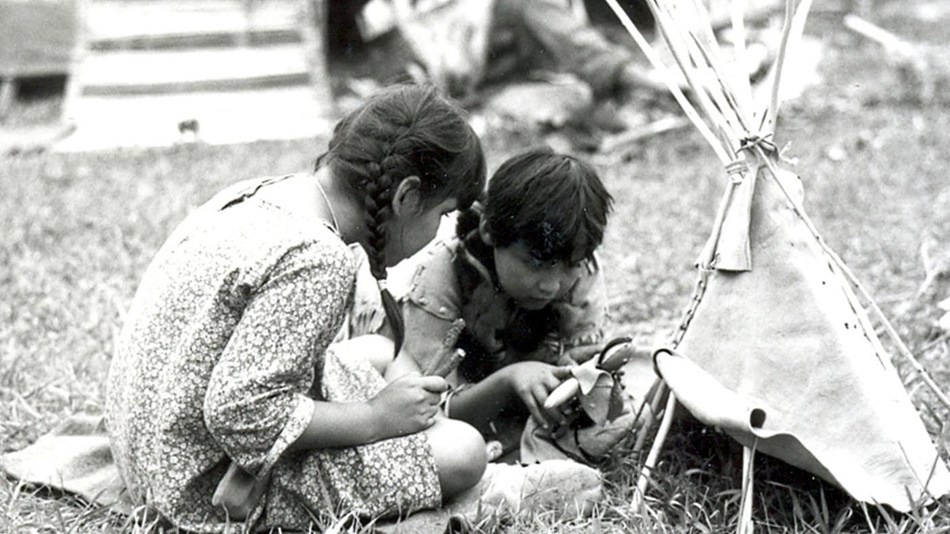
[484, 233]
[407, 200]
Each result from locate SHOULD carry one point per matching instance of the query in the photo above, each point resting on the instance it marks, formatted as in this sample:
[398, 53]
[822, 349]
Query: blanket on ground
[75, 457]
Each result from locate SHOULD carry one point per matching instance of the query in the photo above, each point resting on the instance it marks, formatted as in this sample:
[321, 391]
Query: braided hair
[404, 130]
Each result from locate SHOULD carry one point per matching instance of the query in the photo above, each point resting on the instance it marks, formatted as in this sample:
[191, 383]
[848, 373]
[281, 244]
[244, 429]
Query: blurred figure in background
[463, 44]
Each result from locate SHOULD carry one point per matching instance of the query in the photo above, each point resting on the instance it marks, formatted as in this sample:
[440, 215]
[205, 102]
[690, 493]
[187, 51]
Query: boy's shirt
[450, 281]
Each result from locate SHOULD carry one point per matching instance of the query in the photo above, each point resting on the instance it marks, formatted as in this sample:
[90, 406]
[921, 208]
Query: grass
[78, 231]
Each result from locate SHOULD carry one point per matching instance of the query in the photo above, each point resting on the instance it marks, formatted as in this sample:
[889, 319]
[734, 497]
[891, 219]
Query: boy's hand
[407, 405]
[532, 382]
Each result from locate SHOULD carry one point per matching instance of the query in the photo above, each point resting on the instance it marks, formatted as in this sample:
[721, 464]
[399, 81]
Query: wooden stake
[625, 139]
[879, 35]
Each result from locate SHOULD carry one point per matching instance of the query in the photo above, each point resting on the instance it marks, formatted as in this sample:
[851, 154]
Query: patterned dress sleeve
[583, 314]
[257, 403]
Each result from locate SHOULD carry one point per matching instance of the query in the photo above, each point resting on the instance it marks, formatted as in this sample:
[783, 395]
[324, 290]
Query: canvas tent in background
[39, 46]
[164, 72]
[778, 346]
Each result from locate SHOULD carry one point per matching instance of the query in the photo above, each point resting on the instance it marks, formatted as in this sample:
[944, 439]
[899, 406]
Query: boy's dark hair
[402, 131]
[553, 203]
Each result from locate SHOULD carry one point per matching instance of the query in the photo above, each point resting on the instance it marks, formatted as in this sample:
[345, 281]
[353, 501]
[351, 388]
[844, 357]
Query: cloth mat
[75, 457]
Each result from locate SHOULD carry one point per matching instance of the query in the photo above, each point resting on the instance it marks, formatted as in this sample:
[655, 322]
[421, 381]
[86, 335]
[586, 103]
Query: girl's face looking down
[414, 228]
[532, 283]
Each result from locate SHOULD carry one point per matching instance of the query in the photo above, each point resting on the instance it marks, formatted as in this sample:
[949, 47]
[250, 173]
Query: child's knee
[459, 451]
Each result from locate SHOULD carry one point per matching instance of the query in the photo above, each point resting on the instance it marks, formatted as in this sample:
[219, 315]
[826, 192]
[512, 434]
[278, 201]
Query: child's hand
[407, 405]
[533, 382]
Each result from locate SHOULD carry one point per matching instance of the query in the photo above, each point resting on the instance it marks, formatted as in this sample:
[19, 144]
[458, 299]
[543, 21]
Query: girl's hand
[532, 382]
[407, 405]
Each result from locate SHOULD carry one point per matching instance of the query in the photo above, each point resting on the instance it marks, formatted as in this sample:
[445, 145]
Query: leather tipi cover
[777, 357]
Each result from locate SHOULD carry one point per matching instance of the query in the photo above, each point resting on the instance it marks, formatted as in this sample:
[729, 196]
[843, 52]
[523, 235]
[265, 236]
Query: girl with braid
[228, 407]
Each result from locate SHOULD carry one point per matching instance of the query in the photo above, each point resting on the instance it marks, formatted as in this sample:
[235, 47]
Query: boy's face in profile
[533, 284]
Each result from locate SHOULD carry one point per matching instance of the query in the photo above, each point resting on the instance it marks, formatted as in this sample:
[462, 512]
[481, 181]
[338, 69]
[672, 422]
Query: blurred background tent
[38, 48]
[154, 73]
[37, 40]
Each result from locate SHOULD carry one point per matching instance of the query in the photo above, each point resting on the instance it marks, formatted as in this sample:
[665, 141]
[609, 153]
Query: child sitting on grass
[227, 406]
[523, 274]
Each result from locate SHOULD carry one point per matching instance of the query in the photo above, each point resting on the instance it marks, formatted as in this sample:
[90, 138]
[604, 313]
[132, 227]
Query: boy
[523, 274]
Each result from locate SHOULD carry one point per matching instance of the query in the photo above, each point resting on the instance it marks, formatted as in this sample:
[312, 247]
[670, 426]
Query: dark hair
[553, 203]
[404, 130]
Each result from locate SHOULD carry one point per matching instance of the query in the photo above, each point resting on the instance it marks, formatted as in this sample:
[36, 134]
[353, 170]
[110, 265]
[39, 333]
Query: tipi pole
[705, 268]
[678, 95]
[645, 471]
[659, 390]
[745, 503]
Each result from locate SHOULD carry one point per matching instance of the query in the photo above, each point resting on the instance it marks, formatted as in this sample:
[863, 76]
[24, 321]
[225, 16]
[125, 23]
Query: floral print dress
[226, 344]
